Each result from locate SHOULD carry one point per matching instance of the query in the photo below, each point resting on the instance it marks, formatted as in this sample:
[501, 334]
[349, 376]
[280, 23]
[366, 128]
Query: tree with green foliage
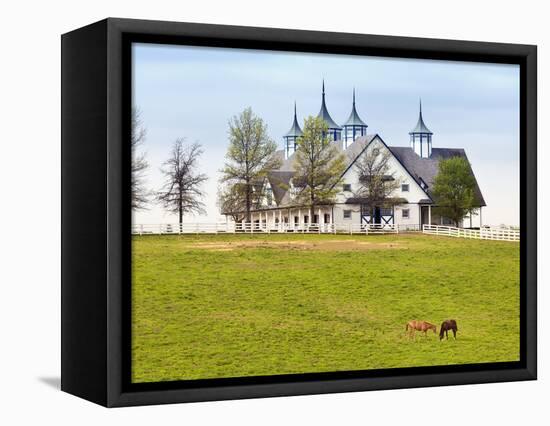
[249, 159]
[232, 200]
[454, 189]
[318, 166]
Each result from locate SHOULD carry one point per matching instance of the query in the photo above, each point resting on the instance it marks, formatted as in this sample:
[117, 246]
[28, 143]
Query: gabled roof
[295, 130]
[325, 115]
[426, 169]
[420, 126]
[420, 169]
[354, 119]
[280, 184]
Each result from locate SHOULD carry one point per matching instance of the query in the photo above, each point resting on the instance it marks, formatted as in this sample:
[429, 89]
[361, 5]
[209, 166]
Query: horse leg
[454, 333]
[447, 334]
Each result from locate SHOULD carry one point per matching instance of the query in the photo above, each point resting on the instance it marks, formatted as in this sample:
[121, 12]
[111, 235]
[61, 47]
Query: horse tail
[407, 327]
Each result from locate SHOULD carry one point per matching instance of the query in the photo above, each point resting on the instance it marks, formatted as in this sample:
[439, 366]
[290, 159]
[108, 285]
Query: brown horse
[446, 326]
[424, 326]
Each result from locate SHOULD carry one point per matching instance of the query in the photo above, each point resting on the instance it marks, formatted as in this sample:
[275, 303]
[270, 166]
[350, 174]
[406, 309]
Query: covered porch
[293, 218]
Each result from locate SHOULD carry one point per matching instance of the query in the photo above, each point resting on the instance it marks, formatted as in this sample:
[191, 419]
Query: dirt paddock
[329, 245]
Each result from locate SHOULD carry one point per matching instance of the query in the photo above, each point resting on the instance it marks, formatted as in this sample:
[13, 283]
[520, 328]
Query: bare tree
[249, 158]
[182, 192]
[377, 181]
[140, 196]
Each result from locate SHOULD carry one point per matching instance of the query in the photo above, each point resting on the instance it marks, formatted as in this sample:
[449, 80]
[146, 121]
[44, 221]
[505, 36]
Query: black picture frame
[96, 211]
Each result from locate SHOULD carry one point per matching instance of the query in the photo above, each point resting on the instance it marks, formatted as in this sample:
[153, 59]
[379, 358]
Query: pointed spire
[420, 126]
[295, 130]
[323, 113]
[354, 119]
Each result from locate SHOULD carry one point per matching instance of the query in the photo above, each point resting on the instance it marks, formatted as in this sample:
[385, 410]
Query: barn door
[386, 216]
[366, 214]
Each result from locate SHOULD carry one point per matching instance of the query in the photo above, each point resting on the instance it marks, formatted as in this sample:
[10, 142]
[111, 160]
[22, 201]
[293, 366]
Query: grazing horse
[446, 326]
[424, 326]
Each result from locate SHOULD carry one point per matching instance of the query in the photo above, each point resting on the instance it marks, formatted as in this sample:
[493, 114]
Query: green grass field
[212, 306]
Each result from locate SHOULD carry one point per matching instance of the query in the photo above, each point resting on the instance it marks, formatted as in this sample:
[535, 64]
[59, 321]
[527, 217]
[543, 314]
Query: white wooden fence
[484, 233]
[251, 228]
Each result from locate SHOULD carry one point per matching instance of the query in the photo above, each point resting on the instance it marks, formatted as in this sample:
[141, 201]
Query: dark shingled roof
[280, 182]
[427, 168]
[421, 169]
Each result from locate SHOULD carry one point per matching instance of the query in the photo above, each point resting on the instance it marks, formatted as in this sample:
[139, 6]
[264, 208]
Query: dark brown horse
[446, 326]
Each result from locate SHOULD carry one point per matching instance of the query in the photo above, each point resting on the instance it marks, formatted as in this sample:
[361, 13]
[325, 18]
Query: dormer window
[405, 187]
[423, 184]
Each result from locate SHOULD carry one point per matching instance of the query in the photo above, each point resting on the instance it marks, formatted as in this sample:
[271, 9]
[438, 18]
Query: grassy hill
[212, 306]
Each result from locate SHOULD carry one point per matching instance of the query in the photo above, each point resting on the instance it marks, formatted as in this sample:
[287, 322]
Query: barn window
[423, 184]
[347, 187]
[405, 213]
[405, 187]
[347, 214]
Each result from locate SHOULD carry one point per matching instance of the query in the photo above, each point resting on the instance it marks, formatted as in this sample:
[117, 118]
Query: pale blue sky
[192, 92]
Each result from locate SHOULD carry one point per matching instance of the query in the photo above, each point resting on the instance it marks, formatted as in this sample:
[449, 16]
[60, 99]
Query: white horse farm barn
[414, 167]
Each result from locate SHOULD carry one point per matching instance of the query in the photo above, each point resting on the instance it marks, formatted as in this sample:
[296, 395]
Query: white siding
[414, 214]
[339, 214]
[415, 193]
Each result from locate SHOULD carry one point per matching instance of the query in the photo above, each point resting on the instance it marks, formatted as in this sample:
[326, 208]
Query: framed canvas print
[277, 212]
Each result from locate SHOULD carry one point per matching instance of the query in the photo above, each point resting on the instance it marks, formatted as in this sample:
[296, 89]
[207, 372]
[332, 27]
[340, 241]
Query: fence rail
[486, 233]
[252, 228]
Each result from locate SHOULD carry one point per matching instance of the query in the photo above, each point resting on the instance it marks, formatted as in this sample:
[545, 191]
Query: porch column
[299, 217]
[430, 214]
[321, 219]
[290, 219]
[480, 221]
[273, 217]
